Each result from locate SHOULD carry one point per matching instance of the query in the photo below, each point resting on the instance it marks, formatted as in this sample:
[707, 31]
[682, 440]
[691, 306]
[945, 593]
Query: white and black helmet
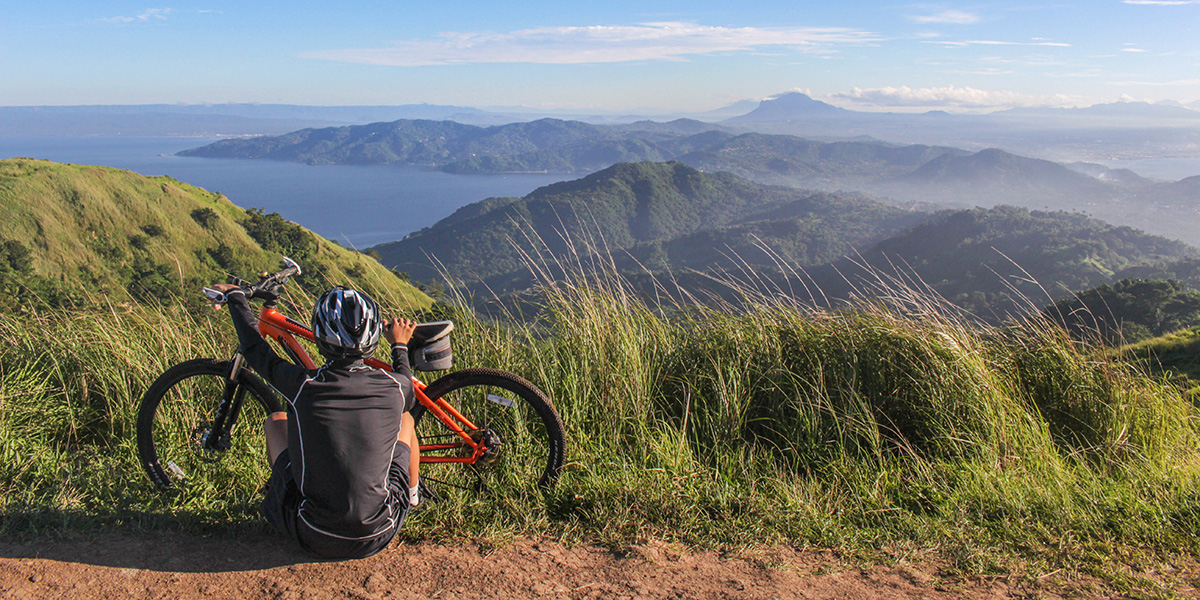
[346, 323]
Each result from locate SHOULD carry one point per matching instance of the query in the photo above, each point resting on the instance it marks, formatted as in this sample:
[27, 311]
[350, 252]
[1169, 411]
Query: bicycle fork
[219, 437]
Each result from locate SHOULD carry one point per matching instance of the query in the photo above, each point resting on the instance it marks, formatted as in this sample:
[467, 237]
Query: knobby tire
[533, 440]
[172, 419]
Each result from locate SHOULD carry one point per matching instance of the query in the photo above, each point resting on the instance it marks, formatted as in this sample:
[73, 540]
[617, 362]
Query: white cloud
[1177, 82]
[946, 97]
[999, 43]
[1160, 2]
[150, 14]
[596, 44]
[953, 17]
[1132, 50]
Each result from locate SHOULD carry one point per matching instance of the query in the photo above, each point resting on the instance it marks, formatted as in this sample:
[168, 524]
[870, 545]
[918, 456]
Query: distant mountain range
[542, 145]
[907, 175]
[679, 224]
[1121, 129]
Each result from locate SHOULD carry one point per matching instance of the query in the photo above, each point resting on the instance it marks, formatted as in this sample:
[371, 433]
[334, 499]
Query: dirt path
[160, 565]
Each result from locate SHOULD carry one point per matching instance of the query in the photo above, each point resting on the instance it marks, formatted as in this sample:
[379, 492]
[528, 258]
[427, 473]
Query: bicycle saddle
[430, 332]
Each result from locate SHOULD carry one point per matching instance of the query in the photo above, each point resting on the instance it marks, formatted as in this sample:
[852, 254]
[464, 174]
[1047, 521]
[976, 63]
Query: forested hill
[702, 228]
[74, 234]
[996, 261]
[543, 145]
[666, 214]
[1129, 311]
[572, 147]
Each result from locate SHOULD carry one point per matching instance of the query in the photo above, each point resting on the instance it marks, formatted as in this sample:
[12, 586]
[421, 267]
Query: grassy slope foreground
[74, 234]
[892, 428]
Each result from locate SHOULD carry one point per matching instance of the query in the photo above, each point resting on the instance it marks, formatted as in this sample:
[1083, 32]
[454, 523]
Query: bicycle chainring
[493, 445]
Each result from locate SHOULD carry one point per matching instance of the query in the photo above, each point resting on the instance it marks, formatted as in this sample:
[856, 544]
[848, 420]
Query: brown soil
[161, 565]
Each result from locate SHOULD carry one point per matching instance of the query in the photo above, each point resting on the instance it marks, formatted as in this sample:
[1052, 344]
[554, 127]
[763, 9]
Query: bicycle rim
[176, 419]
[513, 419]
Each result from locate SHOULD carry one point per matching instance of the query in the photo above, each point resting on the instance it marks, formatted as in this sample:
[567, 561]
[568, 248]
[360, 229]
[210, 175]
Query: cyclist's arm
[399, 332]
[402, 373]
[281, 374]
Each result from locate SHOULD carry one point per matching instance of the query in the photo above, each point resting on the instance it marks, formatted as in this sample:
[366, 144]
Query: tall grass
[895, 423]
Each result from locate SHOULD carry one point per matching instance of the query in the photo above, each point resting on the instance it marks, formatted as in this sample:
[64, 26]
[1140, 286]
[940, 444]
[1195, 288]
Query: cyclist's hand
[399, 331]
[218, 294]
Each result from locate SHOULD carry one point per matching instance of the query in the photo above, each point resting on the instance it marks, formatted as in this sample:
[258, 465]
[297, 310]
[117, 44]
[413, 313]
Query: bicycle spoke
[179, 443]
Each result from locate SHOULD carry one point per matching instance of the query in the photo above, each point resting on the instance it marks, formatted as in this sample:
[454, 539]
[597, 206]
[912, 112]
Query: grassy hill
[82, 234]
[871, 430]
[1007, 259]
[667, 215]
[1176, 354]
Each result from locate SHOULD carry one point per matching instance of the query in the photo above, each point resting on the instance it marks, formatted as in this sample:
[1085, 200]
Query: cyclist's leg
[276, 428]
[408, 435]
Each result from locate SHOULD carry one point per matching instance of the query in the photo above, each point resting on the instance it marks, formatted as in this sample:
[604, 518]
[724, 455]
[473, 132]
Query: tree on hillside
[1129, 310]
[276, 234]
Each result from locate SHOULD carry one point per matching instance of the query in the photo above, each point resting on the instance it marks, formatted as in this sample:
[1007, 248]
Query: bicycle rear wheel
[513, 418]
[184, 440]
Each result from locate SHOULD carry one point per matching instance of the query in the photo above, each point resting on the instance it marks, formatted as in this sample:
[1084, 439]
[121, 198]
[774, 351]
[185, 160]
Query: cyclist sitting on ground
[343, 452]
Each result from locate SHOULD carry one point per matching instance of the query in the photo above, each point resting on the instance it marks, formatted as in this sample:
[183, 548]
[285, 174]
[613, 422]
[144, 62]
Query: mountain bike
[199, 425]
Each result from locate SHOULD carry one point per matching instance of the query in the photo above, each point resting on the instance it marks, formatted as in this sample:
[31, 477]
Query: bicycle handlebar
[265, 289]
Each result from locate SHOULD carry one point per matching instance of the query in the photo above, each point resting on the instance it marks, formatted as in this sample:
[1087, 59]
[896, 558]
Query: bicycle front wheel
[513, 419]
[199, 430]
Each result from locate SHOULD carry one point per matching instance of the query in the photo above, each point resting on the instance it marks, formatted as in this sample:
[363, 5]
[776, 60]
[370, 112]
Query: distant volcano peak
[788, 106]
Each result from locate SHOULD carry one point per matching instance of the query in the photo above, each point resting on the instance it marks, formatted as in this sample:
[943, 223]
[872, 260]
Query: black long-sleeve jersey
[343, 425]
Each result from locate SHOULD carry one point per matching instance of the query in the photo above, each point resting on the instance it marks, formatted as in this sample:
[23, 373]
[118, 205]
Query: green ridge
[664, 214]
[77, 234]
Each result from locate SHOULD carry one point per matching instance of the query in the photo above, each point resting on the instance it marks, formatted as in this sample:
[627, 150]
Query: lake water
[355, 205]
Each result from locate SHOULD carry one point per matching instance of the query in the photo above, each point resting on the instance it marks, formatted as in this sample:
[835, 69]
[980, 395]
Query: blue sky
[601, 56]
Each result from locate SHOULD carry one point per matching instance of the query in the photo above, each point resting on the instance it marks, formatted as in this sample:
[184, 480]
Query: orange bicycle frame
[276, 326]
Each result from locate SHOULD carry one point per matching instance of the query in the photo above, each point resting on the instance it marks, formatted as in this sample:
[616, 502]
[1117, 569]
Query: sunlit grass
[894, 423]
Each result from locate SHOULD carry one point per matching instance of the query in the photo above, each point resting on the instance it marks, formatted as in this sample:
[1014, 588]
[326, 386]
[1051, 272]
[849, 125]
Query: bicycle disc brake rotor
[206, 452]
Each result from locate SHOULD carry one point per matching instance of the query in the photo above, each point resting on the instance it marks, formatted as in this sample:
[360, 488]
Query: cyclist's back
[340, 486]
[345, 425]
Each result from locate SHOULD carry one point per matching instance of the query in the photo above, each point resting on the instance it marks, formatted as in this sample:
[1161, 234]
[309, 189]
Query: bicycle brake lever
[217, 297]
